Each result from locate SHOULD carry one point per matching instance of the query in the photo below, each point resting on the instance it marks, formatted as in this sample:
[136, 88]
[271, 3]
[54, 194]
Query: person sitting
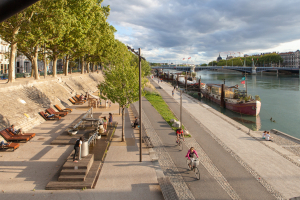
[268, 136]
[2, 144]
[81, 98]
[136, 122]
[190, 154]
[48, 115]
[264, 135]
[16, 132]
[179, 133]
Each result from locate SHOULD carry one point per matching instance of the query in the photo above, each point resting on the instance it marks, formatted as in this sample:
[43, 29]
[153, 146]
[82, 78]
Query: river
[279, 97]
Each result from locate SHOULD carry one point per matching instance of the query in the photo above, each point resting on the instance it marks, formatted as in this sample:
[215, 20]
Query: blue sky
[170, 30]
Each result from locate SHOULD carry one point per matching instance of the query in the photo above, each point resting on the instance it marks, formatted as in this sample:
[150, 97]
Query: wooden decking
[83, 174]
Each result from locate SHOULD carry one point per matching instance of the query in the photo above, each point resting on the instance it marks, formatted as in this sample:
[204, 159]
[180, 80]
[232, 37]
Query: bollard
[85, 149]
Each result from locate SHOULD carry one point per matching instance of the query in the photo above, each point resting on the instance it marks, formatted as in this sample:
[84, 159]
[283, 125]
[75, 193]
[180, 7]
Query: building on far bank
[290, 59]
[219, 58]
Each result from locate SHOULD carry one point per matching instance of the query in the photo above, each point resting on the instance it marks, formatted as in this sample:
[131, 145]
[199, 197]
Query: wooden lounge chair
[78, 98]
[31, 135]
[63, 110]
[75, 102]
[11, 146]
[55, 117]
[15, 138]
[52, 111]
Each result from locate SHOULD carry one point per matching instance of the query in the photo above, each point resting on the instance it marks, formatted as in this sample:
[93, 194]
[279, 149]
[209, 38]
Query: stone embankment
[22, 101]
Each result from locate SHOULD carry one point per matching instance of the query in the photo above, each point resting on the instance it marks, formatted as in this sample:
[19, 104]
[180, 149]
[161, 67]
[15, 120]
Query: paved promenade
[26, 172]
[275, 168]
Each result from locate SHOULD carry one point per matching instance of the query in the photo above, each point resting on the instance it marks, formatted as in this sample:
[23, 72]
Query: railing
[88, 113]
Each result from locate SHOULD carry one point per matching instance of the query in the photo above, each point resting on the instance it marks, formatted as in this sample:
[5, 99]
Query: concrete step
[73, 172]
[71, 178]
[84, 163]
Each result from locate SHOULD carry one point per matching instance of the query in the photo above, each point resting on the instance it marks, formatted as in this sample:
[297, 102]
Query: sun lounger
[55, 117]
[75, 102]
[63, 110]
[11, 146]
[15, 138]
[78, 98]
[31, 135]
[52, 111]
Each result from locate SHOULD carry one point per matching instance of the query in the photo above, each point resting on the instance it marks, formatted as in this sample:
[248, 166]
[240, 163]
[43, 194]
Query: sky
[169, 30]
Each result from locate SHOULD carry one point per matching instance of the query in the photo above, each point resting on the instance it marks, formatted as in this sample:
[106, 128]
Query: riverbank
[269, 162]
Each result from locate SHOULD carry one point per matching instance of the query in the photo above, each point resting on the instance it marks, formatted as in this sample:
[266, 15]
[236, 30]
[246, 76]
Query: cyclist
[179, 133]
[190, 154]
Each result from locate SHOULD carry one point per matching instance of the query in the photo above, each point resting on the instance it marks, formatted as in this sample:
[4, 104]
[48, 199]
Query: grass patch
[162, 108]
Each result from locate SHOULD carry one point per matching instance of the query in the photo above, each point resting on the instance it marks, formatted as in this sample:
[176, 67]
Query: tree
[121, 83]
[9, 30]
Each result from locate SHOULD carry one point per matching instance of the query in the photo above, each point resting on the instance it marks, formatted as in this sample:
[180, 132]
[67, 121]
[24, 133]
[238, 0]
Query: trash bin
[85, 149]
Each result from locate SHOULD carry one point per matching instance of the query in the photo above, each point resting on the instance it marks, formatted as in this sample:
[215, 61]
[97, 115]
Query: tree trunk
[82, 65]
[11, 71]
[67, 66]
[88, 67]
[123, 122]
[54, 68]
[35, 63]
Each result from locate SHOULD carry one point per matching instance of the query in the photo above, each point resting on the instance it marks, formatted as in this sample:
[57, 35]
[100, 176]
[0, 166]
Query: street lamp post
[140, 95]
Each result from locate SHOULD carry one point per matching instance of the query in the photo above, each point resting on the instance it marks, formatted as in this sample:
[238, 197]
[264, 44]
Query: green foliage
[203, 64]
[121, 83]
[258, 60]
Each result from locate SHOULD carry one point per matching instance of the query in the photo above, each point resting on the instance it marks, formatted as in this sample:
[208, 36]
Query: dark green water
[280, 98]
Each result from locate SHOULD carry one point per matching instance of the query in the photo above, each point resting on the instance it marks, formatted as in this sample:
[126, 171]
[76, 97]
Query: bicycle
[194, 163]
[180, 142]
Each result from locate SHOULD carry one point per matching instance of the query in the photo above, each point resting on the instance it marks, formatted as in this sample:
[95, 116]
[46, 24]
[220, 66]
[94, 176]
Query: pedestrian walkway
[26, 172]
[272, 166]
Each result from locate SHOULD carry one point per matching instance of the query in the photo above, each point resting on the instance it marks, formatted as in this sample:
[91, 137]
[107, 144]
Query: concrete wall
[22, 101]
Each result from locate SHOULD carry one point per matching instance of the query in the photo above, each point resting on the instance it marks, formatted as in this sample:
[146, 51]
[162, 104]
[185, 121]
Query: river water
[279, 97]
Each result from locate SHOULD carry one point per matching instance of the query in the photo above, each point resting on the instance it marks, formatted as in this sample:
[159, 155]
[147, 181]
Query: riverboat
[234, 99]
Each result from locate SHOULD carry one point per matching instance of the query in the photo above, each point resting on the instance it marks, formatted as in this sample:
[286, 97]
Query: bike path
[206, 187]
[243, 183]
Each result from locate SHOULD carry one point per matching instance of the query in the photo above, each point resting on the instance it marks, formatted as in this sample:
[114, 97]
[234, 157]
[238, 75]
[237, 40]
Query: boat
[234, 99]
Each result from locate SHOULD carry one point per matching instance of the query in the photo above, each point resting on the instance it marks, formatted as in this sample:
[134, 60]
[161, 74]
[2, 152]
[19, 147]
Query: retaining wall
[22, 101]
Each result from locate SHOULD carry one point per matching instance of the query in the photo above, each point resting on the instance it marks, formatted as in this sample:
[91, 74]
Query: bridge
[252, 70]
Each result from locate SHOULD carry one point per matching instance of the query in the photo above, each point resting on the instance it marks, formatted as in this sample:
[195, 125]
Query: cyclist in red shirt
[179, 133]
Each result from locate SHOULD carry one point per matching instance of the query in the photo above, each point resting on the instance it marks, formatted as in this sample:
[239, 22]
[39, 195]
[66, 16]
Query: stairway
[80, 175]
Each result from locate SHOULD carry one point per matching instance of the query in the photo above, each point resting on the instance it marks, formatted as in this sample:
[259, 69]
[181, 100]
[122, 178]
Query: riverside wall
[22, 100]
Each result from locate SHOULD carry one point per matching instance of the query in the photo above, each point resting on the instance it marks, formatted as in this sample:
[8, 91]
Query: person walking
[173, 93]
[110, 119]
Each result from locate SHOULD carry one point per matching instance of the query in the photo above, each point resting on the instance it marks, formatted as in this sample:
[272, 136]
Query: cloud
[174, 29]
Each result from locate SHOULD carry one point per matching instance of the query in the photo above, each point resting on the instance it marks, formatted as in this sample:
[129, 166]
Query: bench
[31, 135]
[55, 117]
[14, 138]
[63, 110]
[52, 111]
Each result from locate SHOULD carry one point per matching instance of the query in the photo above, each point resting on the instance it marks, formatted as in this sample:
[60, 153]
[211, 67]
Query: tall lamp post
[140, 95]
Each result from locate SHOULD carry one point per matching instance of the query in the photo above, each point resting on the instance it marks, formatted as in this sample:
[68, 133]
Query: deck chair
[30, 135]
[11, 146]
[15, 138]
[75, 102]
[78, 98]
[55, 117]
[63, 110]
[52, 111]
